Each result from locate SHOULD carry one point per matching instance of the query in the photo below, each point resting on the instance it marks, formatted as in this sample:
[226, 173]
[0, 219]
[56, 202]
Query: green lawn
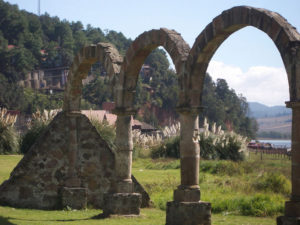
[223, 184]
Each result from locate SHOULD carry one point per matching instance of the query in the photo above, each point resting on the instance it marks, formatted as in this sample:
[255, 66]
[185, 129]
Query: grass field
[240, 193]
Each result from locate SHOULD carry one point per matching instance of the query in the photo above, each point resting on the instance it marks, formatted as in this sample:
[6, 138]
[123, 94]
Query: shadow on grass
[4, 221]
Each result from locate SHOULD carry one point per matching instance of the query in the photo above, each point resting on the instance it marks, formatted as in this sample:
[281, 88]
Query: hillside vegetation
[29, 42]
[258, 110]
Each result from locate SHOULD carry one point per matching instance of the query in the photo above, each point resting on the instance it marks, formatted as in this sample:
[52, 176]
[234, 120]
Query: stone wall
[38, 179]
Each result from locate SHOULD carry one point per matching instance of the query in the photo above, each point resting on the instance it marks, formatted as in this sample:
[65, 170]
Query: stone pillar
[189, 190]
[73, 195]
[72, 178]
[123, 201]
[292, 207]
[124, 147]
[187, 207]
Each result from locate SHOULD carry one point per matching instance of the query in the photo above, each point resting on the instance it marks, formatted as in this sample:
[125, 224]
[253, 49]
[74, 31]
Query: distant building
[108, 106]
[111, 119]
[51, 79]
[9, 47]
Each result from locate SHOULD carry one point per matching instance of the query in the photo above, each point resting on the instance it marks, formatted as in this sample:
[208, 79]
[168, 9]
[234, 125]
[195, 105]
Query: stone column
[124, 147]
[73, 195]
[72, 179]
[187, 207]
[292, 207]
[123, 201]
[189, 190]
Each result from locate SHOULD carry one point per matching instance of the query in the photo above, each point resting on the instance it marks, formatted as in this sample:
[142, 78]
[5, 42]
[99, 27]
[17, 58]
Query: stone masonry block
[187, 195]
[292, 209]
[75, 198]
[122, 204]
[188, 213]
[285, 220]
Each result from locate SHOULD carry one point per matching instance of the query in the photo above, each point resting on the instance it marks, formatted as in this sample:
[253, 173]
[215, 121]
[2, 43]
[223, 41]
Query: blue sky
[248, 59]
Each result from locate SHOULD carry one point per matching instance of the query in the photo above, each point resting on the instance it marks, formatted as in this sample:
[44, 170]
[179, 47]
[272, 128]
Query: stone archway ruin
[69, 164]
[124, 91]
[191, 66]
[138, 51]
[284, 36]
[287, 41]
[102, 52]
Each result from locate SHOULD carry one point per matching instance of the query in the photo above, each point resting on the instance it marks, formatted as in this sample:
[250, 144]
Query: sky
[248, 59]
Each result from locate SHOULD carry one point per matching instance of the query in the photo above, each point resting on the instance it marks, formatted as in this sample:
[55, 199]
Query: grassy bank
[248, 192]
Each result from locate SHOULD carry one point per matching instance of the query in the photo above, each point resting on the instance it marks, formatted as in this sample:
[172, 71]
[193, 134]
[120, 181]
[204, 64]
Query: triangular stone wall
[37, 180]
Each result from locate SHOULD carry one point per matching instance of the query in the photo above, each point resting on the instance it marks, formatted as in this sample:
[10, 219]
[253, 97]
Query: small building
[108, 106]
[111, 119]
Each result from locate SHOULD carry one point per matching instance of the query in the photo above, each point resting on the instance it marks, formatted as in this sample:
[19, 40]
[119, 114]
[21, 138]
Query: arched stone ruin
[70, 164]
[74, 135]
[287, 40]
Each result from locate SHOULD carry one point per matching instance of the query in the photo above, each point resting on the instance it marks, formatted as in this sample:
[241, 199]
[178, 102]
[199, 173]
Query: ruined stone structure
[287, 41]
[83, 154]
[70, 164]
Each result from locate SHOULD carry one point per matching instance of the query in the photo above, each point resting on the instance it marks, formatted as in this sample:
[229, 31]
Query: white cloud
[267, 85]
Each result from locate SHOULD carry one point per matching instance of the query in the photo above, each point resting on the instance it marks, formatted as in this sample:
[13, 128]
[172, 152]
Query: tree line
[29, 42]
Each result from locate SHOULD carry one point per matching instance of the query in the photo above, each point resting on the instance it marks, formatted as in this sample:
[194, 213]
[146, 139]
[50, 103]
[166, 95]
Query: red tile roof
[9, 47]
[135, 122]
[13, 112]
[109, 106]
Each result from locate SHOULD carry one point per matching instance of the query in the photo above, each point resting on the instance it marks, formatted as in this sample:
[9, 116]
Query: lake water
[278, 143]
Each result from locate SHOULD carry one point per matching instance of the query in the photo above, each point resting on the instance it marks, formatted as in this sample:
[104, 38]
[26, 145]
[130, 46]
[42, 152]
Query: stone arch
[285, 37]
[106, 53]
[140, 48]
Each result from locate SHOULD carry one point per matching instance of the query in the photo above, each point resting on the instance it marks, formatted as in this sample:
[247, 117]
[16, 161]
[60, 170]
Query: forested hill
[29, 42]
[25, 39]
[258, 110]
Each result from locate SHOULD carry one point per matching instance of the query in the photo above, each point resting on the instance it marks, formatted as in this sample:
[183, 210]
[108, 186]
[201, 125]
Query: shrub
[163, 164]
[8, 140]
[106, 131]
[222, 167]
[273, 182]
[260, 205]
[214, 144]
[218, 144]
[226, 167]
[8, 134]
[256, 205]
[37, 125]
[169, 148]
[30, 136]
[224, 146]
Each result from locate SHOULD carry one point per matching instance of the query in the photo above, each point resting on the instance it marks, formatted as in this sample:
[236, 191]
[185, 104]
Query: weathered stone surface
[292, 208]
[122, 204]
[103, 52]
[138, 188]
[285, 220]
[37, 180]
[188, 213]
[187, 195]
[140, 48]
[75, 198]
[230, 21]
